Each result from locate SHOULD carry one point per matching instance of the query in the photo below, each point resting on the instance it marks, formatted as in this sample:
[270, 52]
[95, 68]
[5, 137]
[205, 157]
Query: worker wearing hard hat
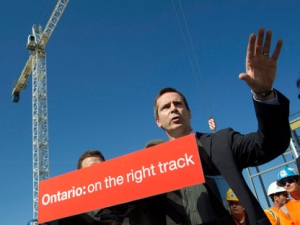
[237, 211]
[279, 197]
[290, 212]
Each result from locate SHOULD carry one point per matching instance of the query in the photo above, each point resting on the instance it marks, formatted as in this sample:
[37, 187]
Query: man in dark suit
[226, 152]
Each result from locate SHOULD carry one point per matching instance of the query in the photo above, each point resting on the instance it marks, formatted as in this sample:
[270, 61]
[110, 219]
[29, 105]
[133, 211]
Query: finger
[259, 41]
[267, 44]
[277, 50]
[251, 46]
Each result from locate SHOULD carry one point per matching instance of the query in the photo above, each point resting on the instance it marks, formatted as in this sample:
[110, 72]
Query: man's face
[90, 161]
[291, 184]
[236, 208]
[172, 114]
[281, 198]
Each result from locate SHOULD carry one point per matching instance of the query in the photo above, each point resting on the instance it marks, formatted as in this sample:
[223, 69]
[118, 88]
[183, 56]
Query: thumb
[245, 77]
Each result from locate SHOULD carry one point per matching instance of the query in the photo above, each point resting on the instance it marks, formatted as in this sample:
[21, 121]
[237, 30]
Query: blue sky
[106, 61]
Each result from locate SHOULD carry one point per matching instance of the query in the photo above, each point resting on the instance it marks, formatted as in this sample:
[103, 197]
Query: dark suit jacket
[228, 152]
[148, 211]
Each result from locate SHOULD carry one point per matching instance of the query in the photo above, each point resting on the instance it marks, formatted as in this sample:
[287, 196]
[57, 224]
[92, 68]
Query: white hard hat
[274, 188]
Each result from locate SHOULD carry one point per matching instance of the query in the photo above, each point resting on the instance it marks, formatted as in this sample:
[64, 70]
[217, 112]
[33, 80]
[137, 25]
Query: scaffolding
[287, 158]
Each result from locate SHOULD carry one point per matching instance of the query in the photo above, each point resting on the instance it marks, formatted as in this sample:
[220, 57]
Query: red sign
[151, 171]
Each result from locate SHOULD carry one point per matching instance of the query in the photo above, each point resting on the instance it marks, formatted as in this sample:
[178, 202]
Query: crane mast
[36, 65]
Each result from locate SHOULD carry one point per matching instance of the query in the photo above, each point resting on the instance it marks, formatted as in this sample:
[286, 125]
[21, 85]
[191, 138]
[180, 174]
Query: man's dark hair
[167, 90]
[87, 154]
[272, 196]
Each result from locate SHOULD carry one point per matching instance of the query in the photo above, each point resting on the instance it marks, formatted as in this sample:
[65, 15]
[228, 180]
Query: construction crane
[36, 65]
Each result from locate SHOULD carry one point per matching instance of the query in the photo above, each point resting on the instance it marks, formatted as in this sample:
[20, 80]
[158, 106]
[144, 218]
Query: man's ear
[190, 114]
[157, 122]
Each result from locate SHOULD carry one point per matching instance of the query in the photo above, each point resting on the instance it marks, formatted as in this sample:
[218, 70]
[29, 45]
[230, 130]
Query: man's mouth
[175, 118]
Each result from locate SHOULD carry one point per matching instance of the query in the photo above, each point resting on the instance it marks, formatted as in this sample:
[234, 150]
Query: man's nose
[173, 108]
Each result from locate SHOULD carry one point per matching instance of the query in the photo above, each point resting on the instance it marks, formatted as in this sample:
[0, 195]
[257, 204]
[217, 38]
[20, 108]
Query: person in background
[289, 214]
[113, 215]
[226, 152]
[237, 211]
[90, 158]
[279, 197]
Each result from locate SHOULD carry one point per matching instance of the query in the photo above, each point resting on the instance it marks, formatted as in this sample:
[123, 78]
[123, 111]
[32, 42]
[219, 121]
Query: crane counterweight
[31, 43]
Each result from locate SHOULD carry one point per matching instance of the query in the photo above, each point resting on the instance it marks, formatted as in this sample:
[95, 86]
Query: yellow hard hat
[230, 196]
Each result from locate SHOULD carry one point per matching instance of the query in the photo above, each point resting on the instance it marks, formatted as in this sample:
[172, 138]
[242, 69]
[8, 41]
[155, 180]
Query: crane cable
[205, 99]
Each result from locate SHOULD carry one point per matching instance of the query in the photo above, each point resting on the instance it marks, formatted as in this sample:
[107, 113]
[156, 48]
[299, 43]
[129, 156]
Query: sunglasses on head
[283, 182]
